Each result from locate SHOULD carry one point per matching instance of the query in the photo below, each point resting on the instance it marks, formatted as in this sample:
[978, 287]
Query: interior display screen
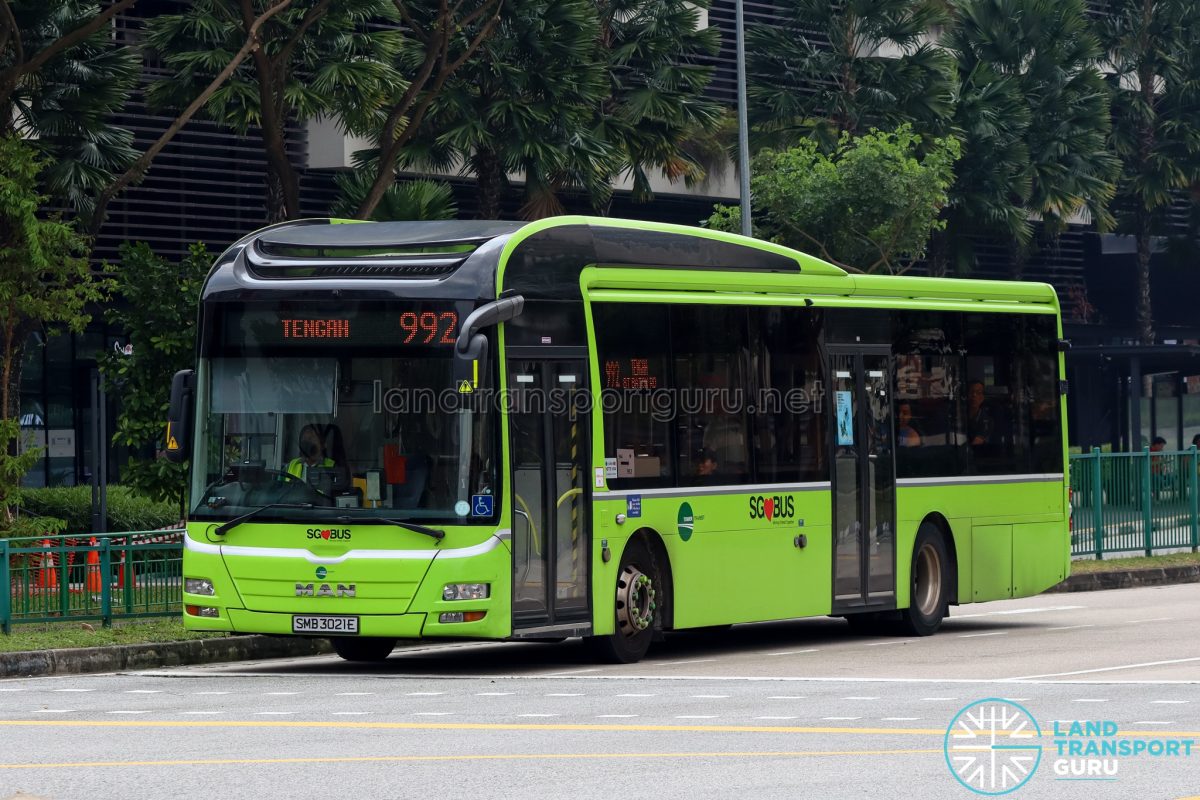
[425, 325]
[630, 373]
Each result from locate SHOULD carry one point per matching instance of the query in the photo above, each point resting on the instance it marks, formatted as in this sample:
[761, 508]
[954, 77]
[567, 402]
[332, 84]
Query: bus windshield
[324, 425]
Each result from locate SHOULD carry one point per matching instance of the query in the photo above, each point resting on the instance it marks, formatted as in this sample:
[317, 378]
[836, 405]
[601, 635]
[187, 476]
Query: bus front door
[548, 433]
[864, 479]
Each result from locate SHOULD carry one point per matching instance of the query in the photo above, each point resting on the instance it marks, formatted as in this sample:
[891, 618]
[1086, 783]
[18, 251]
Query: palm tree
[845, 67]
[1033, 113]
[1149, 46]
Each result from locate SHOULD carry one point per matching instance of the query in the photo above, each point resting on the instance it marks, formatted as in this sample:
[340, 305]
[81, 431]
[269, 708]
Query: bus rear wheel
[353, 648]
[638, 601]
[929, 600]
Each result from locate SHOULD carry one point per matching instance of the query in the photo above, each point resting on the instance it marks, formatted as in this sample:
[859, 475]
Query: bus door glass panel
[876, 409]
[548, 430]
[528, 441]
[847, 489]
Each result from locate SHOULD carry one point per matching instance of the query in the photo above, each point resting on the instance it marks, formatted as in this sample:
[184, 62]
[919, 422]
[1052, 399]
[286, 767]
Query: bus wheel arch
[930, 581]
[937, 520]
[641, 602]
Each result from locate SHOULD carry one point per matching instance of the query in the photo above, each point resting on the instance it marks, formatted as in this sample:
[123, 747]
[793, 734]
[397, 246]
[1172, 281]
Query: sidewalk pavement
[115, 658]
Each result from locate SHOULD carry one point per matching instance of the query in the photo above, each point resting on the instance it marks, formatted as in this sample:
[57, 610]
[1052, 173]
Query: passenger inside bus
[906, 434]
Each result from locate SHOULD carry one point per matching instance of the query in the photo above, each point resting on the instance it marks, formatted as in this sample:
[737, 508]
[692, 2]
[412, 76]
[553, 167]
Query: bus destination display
[420, 326]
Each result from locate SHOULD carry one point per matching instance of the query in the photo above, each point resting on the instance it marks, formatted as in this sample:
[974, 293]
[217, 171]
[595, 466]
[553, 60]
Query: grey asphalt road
[797, 709]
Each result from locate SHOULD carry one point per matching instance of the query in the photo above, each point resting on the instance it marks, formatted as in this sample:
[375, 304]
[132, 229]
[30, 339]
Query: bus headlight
[466, 591]
[198, 586]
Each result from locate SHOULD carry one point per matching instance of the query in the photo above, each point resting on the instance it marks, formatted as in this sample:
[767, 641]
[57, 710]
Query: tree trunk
[492, 184]
[1145, 315]
[939, 254]
[1018, 260]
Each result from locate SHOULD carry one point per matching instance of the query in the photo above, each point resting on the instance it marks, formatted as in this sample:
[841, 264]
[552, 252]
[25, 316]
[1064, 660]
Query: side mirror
[471, 347]
[179, 416]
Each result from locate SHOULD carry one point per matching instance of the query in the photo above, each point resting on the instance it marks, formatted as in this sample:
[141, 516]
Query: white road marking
[493, 694]
[841, 718]
[143, 691]
[13, 689]
[889, 641]
[1011, 612]
[54, 711]
[565, 694]
[273, 713]
[793, 652]
[572, 671]
[1090, 700]
[1170, 702]
[1105, 669]
[1070, 627]
[349, 713]
[692, 661]
[1152, 619]
[537, 715]
[72, 690]
[126, 712]
[976, 635]
[859, 697]
[1016, 699]
[709, 696]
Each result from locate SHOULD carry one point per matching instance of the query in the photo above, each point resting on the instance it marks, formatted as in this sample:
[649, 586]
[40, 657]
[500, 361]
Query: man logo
[324, 590]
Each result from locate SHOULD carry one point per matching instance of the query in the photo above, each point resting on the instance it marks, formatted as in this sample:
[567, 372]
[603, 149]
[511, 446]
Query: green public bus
[607, 429]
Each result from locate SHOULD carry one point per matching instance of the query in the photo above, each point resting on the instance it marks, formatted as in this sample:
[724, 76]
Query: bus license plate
[323, 624]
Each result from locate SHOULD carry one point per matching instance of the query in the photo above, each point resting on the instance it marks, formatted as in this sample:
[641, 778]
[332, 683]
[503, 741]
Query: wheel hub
[635, 601]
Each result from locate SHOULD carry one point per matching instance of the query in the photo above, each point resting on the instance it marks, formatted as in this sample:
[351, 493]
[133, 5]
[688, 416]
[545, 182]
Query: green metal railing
[102, 577]
[1136, 502]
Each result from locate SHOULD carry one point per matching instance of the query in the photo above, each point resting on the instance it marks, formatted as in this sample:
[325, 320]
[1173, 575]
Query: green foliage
[13, 466]
[869, 205]
[71, 506]
[1033, 116]
[65, 105]
[157, 311]
[45, 283]
[421, 199]
[833, 68]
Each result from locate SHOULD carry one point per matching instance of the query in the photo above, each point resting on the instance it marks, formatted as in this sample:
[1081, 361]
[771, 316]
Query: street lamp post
[743, 130]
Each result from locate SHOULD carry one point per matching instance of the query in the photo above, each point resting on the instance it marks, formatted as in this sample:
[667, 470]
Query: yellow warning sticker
[172, 442]
[464, 387]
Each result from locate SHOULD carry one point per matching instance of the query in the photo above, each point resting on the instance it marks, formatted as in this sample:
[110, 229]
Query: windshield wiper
[400, 523]
[226, 527]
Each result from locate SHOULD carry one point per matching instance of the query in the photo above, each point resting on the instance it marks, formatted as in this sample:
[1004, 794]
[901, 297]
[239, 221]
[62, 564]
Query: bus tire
[368, 648]
[929, 587]
[638, 602]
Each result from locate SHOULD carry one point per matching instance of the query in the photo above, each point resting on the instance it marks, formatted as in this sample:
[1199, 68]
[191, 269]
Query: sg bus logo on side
[770, 508]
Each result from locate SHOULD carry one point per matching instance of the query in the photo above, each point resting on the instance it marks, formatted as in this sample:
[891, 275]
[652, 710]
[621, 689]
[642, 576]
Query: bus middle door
[549, 429]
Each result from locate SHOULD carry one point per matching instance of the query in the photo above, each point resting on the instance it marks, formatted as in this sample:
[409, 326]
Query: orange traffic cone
[121, 576]
[93, 569]
[47, 576]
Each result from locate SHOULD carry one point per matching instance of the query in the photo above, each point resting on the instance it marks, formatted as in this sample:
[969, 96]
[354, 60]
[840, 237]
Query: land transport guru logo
[992, 746]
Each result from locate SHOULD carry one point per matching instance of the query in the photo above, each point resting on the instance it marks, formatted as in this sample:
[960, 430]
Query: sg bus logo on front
[992, 746]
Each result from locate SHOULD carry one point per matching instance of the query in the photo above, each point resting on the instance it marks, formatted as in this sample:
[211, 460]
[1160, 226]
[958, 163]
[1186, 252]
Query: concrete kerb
[114, 658]
[35, 663]
[1129, 578]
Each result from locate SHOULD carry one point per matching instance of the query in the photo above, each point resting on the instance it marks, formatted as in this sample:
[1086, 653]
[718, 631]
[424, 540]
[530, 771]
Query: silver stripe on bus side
[486, 546]
[693, 491]
[958, 480]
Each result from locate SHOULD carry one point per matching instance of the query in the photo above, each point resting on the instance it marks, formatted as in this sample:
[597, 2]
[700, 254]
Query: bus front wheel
[928, 602]
[638, 603]
[352, 648]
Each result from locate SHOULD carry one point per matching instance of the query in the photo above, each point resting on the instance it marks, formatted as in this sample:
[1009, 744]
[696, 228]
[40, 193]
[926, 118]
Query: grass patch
[1142, 562]
[56, 635]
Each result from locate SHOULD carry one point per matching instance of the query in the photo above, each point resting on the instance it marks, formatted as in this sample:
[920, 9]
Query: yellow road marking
[463, 757]
[520, 726]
